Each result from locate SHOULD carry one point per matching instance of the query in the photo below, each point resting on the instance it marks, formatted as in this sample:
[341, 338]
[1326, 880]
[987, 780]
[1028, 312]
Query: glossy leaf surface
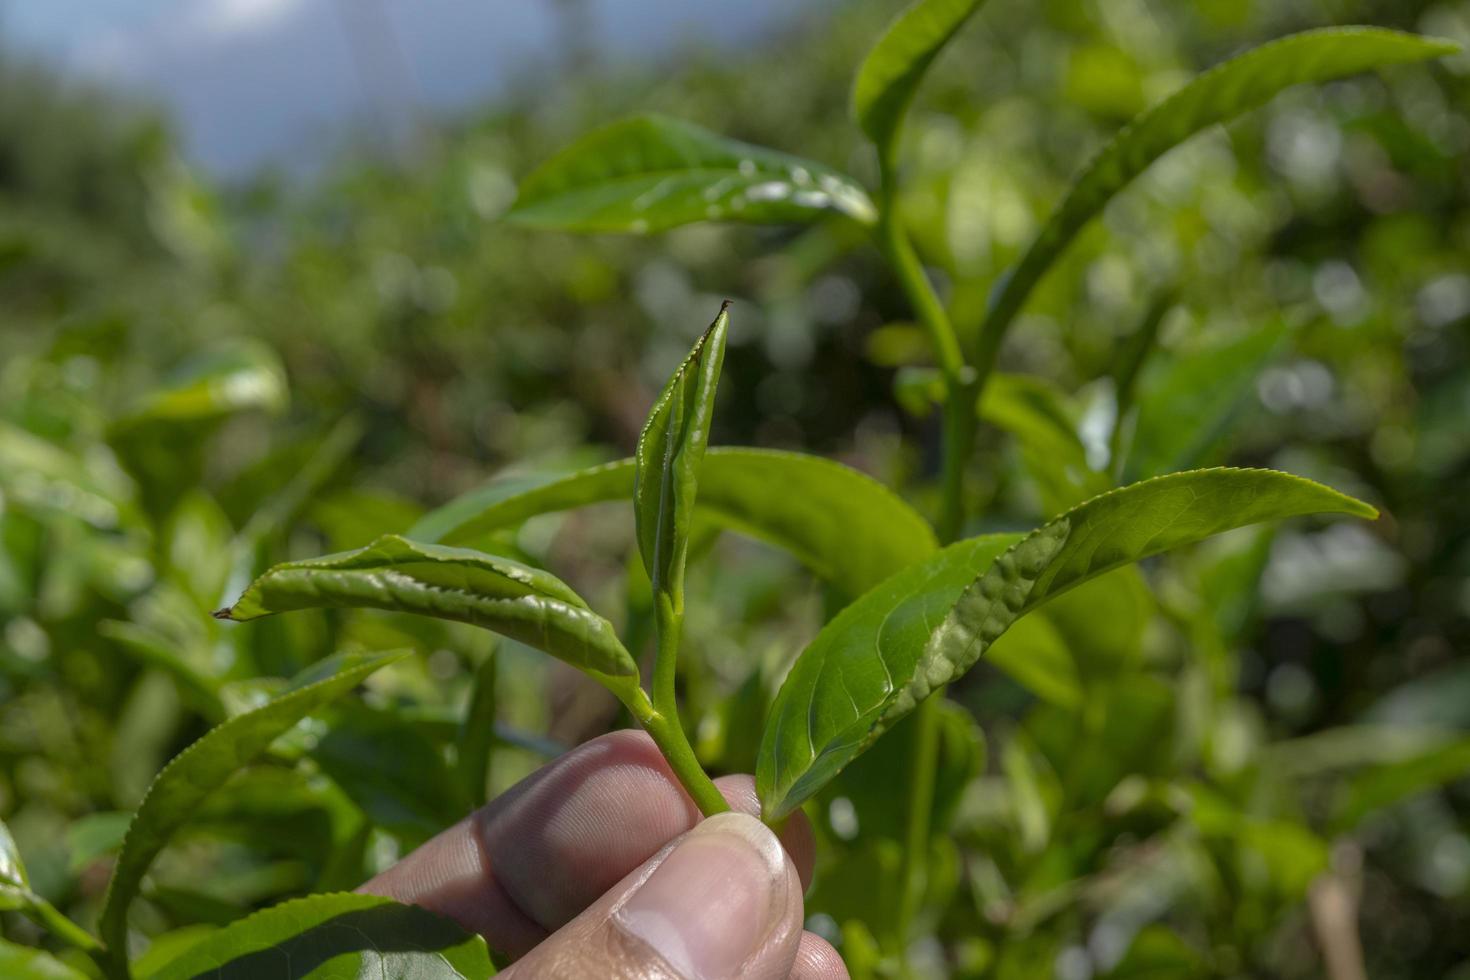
[203, 767]
[804, 504]
[891, 73]
[1225, 91]
[669, 458]
[835, 692]
[498, 594]
[335, 935]
[928, 625]
[649, 173]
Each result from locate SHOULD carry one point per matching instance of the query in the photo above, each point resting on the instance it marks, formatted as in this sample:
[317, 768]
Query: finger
[526, 864]
[817, 960]
[723, 900]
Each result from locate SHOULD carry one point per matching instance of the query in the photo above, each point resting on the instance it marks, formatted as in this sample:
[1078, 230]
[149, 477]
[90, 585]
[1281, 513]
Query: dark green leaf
[1184, 416]
[188, 780]
[1220, 94]
[394, 573]
[893, 69]
[804, 504]
[1045, 422]
[649, 173]
[335, 935]
[391, 770]
[669, 458]
[888, 651]
[1387, 784]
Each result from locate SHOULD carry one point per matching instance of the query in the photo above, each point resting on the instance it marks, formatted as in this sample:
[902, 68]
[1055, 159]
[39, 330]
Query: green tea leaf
[804, 504]
[927, 625]
[649, 173]
[16, 896]
[238, 377]
[498, 594]
[390, 769]
[203, 767]
[1187, 412]
[1045, 423]
[12, 868]
[669, 457]
[891, 73]
[836, 689]
[19, 962]
[1225, 91]
[1386, 784]
[335, 935]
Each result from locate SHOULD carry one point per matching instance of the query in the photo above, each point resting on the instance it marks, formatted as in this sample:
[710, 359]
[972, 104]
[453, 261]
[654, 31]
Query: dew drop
[747, 168]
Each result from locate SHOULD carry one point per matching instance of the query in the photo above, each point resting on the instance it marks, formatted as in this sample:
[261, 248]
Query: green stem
[959, 379]
[669, 736]
[920, 817]
[962, 389]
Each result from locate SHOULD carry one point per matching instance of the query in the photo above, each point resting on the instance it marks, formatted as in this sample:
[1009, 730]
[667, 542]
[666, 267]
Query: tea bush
[1179, 768]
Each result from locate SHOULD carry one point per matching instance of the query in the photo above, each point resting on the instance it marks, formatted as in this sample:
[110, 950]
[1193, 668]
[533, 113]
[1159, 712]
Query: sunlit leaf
[669, 459]
[27, 963]
[243, 375]
[16, 896]
[650, 173]
[334, 935]
[930, 623]
[396, 574]
[804, 504]
[203, 767]
[891, 73]
[1217, 95]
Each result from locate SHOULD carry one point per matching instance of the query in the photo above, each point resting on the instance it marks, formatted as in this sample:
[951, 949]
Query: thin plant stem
[958, 441]
[669, 736]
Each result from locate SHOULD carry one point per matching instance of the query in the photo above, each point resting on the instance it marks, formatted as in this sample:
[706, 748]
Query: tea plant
[919, 604]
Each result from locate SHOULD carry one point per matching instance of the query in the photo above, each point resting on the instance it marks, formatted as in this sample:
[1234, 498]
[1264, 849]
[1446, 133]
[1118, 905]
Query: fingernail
[713, 901]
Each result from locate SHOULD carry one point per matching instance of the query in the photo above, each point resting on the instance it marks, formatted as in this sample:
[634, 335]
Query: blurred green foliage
[196, 382]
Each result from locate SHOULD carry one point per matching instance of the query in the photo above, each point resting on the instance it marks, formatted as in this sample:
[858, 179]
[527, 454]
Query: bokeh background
[254, 296]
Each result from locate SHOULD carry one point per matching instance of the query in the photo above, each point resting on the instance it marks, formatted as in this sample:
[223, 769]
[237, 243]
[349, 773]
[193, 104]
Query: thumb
[723, 900]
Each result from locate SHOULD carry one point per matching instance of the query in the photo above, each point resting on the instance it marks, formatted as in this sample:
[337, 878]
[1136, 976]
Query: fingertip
[795, 834]
[817, 959]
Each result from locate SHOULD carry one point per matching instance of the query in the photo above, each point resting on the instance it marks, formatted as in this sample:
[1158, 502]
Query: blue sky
[253, 82]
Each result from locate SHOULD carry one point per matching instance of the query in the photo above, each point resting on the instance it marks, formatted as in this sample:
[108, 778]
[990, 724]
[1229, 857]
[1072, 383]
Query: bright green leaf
[893, 69]
[650, 173]
[244, 375]
[821, 717]
[16, 896]
[1225, 91]
[331, 936]
[669, 458]
[203, 767]
[927, 625]
[805, 504]
[26, 963]
[498, 594]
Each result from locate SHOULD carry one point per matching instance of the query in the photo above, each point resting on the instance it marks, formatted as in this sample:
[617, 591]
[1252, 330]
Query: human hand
[599, 865]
